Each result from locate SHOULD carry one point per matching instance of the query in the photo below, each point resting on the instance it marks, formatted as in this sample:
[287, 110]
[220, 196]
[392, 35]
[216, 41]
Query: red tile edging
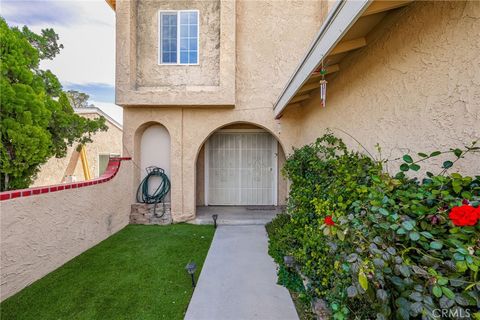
[111, 171]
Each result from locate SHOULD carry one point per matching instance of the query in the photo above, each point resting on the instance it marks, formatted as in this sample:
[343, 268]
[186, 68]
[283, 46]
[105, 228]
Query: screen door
[241, 168]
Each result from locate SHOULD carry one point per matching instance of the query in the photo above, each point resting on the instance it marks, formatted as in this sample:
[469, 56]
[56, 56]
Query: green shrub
[380, 246]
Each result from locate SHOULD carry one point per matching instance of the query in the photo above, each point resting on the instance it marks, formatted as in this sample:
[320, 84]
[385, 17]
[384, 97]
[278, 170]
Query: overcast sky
[87, 31]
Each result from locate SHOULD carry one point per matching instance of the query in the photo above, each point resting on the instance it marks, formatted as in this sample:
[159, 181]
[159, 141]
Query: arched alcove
[154, 150]
[256, 182]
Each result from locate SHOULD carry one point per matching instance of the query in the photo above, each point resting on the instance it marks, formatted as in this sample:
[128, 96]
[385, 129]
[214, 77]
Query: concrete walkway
[238, 280]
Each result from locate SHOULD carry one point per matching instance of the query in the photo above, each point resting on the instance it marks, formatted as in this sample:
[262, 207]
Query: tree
[78, 99]
[46, 43]
[37, 121]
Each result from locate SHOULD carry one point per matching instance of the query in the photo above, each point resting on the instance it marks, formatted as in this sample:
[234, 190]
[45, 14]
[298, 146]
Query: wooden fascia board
[340, 19]
[349, 45]
[381, 6]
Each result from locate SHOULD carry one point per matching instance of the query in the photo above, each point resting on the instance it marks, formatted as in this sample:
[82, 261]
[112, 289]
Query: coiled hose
[159, 194]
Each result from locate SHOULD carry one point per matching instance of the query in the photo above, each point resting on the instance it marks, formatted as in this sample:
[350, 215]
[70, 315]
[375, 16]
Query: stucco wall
[41, 232]
[415, 87]
[104, 142]
[139, 78]
[150, 73]
[268, 48]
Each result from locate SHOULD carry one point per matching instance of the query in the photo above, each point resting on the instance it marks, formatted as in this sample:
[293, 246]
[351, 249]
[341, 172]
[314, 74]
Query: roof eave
[96, 110]
[339, 20]
[111, 3]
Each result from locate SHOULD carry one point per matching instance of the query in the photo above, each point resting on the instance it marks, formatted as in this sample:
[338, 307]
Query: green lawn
[138, 273]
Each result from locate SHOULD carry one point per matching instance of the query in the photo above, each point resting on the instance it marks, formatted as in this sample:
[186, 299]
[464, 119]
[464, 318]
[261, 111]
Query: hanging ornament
[323, 87]
[323, 92]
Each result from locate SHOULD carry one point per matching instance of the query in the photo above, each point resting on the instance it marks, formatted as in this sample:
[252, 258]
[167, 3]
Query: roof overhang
[331, 42]
[341, 17]
[98, 111]
[111, 3]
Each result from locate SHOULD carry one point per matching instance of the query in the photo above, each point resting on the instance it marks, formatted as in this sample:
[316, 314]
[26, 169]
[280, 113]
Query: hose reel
[143, 194]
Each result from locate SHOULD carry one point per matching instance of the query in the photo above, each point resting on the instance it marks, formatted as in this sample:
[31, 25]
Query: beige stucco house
[105, 144]
[218, 92]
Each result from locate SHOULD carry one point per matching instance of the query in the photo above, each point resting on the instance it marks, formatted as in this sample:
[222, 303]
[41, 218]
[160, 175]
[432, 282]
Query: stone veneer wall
[142, 213]
[42, 228]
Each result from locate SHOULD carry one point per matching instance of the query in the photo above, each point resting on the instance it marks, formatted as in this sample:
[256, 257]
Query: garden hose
[160, 193]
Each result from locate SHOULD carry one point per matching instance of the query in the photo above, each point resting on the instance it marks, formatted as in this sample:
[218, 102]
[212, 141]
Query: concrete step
[236, 215]
[232, 221]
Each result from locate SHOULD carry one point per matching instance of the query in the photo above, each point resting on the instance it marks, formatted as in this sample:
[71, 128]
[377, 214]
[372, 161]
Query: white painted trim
[275, 171]
[206, 162]
[240, 164]
[341, 17]
[159, 51]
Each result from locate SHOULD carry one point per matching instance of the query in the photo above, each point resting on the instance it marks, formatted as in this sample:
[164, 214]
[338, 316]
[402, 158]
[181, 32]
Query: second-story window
[178, 36]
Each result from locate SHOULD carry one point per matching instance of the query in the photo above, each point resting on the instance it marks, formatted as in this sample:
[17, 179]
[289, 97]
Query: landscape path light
[191, 267]
[289, 261]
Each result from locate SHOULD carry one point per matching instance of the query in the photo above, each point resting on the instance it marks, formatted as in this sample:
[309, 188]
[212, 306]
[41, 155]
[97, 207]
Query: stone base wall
[142, 213]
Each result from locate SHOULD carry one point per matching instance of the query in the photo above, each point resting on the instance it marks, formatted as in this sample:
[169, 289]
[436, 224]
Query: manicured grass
[138, 273]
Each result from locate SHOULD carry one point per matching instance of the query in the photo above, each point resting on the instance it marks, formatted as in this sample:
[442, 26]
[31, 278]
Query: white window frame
[178, 38]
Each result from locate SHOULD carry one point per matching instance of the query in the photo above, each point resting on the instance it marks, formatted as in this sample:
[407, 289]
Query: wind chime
[323, 87]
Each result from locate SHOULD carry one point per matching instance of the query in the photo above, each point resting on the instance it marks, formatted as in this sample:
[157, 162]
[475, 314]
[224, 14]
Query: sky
[87, 31]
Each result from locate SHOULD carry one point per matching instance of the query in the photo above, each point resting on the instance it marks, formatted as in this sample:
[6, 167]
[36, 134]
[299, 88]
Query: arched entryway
[239, 166]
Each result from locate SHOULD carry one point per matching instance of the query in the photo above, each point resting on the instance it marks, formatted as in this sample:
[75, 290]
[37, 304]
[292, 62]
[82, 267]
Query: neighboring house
[105, 144]
[218, 91]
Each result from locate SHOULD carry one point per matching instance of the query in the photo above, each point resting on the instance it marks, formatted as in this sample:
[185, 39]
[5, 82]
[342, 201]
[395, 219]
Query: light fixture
[191, 267]
[289, 261]
[214, 217]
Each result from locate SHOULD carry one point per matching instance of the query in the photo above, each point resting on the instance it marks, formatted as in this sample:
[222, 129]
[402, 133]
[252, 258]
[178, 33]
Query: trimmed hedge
[379, 246]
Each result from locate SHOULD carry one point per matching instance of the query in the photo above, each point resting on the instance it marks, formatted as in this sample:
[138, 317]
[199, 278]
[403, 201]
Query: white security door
[241, 168]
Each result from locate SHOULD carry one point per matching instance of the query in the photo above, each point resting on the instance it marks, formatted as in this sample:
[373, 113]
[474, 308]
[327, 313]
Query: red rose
[464, 215]
[329, 221]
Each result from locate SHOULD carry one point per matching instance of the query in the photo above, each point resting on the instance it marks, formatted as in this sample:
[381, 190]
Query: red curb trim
[5, 196]
[112, 169]
[15, 194]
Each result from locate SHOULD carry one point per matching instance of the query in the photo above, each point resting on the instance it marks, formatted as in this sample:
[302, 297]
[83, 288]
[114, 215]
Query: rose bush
[373, 245]
[329, 221]
[464, 215]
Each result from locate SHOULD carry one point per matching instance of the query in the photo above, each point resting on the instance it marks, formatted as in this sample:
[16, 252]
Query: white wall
[155, 151]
